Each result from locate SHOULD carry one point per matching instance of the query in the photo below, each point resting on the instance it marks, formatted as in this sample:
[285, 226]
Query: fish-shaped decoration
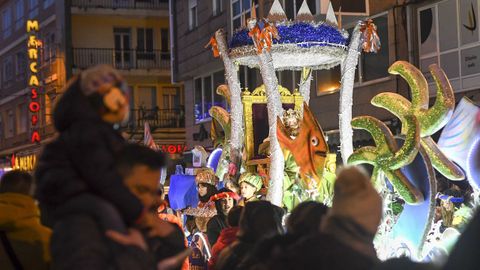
[309, 148]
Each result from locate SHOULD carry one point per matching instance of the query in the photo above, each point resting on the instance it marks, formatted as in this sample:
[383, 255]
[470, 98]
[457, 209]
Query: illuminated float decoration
[403, 165]
[277, 43]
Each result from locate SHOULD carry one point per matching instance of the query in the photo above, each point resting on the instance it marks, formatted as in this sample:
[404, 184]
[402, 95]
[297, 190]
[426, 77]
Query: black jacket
[214, 226]
[79, 242]
[81, 159]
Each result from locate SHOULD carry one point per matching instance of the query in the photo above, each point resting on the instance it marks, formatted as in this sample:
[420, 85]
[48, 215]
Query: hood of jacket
[73, 107]
[17, 210]
[228, 235]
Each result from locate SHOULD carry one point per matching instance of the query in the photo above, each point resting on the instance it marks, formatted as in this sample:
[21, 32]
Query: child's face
[247, 190]
[142, 182]
[202, 190]
[227, 205]
[117, 101]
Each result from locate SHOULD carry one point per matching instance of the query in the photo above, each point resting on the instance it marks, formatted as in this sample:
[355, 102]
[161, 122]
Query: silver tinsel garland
[274, 106]
[293, 56]
[236, 110]
[346, 94]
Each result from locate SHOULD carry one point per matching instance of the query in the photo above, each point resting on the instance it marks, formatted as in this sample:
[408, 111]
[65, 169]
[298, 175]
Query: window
[49, 47]
[146, 97]
[10, 124]
[240, 11]
[47, 3]
[205, 95]
[454, 44]
[145, 44]
[217, 7]
[21, 64]
[48, 107]
[19, 6]
[326, 81]
[164, 34]
[33, 7]
[8, 69]
[122, 40]
[192, 14]
[373, 66]
[7, 22]
[249, 77]
[22, 118]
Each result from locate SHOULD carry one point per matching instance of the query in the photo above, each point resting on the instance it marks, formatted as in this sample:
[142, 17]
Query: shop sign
[173, 148]
[33, 81]
[25, 163]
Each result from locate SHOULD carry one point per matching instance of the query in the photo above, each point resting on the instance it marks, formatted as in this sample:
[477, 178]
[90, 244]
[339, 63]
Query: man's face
[227, 205]
[247, 190]
[143, 182]
[202, 190]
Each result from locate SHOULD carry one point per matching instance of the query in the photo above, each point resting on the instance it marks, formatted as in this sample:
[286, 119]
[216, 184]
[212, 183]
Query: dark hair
[211, 190]
[259, 219]
[134, 154]
[306, 218]
[233, 217]
[17, 182]
[218, 204]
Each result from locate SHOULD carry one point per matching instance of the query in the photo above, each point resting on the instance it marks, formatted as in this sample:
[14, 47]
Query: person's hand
[156, 226]
[133, 238]
[174, 261]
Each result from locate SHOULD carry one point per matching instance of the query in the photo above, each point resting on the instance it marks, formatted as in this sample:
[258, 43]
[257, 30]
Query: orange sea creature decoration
[263, 37]
[214, 44]
[371, 40]
[309, 148]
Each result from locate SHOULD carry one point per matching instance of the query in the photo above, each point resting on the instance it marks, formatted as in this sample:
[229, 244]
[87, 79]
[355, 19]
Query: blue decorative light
[303, 34]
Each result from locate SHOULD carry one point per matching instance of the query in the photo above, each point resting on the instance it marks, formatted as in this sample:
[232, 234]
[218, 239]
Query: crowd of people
[100, 206]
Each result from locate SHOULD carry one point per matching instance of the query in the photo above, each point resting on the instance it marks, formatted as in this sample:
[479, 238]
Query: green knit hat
[252, 179]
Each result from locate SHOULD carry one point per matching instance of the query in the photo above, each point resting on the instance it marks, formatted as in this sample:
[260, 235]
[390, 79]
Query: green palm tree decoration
[387, 157]
[431, 119]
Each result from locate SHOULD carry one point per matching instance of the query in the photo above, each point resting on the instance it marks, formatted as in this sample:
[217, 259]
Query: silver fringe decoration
[346, 94]
[236, 110]
[274, 106]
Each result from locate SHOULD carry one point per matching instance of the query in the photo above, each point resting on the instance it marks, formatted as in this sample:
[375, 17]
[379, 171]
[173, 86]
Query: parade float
[270, 130]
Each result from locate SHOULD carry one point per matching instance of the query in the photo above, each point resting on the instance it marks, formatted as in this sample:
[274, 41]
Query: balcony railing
[156, 118]
[121, 59]
[126, 4]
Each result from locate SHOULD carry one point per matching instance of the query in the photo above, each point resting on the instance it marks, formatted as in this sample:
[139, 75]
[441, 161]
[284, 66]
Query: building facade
[133, 36]
[17, 127]
[399, 27]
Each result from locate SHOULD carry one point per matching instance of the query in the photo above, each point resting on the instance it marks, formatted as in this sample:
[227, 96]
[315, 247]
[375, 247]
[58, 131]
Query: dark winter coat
[466, 253]
[214, 226]
[78, 242]
[232, 256]
[81, 159]
[319, 251]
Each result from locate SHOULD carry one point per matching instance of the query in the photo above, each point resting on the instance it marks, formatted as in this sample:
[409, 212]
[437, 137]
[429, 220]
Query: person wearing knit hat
[250, 184]
[356, 211]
